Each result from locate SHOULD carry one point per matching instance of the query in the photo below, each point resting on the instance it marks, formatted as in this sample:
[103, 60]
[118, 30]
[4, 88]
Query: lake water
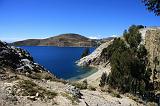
[60, 60]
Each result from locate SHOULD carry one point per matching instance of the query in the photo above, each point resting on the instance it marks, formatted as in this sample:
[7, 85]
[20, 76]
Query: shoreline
[90, 72]
[94, 78]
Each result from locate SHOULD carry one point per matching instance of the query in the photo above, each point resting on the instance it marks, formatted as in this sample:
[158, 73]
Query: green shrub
[113, 92]
[91, 88]
[80, 85]
[103, 79]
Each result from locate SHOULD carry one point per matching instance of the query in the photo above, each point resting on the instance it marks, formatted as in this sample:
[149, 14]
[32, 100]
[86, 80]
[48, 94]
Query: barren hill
[63, 40]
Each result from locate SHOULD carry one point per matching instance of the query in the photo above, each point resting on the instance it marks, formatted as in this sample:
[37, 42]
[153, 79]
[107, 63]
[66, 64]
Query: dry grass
[29, 88]
[70, 97]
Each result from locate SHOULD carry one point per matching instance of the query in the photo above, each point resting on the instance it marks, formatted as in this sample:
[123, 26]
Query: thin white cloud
[114, 36]
[93, 37]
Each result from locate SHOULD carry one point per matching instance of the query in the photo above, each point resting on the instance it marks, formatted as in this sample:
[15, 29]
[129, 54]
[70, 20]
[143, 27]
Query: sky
[23, 19]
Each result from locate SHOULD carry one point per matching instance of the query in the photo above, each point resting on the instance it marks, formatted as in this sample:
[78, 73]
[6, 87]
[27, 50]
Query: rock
[90, 59]
[37, 94]
[152, 42]
[33, 98]
[74, 91]
[18, 59]
[2, 44]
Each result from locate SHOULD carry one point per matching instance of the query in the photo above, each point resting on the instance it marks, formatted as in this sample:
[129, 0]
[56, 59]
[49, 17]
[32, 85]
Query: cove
[60, 61]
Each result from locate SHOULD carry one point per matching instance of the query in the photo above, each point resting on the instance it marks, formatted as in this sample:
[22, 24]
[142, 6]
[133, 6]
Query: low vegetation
[91, 88]
[72, 98]
[81, 85]
[103, 80]
[111, 91]
[29, 88]
[46, 76]
[41, 75]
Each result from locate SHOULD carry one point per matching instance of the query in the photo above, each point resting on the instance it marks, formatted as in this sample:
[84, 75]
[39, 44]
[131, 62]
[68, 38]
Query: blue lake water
[60, 60]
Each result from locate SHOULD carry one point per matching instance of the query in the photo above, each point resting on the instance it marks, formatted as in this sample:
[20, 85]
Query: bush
[113, 92]
[91, 88]
[132, 36]
[80, 85]
[103, 80]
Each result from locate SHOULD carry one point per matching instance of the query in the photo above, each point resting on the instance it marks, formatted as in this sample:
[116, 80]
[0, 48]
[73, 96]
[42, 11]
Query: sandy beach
[94, 79]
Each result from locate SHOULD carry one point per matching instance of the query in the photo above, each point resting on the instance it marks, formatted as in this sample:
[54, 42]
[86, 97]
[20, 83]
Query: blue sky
[21, 19]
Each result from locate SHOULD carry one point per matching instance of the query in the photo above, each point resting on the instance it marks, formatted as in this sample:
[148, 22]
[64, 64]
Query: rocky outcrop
[93, 58]
[152, 44]
[97, 61]
[74, 91]
[16, 60]
[17, 66]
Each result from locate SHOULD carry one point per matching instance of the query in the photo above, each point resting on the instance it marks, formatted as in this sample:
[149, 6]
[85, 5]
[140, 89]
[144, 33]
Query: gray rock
[18, 59]
[74, 91]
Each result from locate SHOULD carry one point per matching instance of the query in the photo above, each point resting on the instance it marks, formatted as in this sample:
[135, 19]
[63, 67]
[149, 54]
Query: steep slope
[25, 83]
[63, 40]
[152, 44]
[151, 40]
[96, 60]
[16, 61]
[90, 59]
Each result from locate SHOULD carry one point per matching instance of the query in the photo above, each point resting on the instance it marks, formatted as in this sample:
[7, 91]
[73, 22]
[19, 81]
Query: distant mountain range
[63, 40]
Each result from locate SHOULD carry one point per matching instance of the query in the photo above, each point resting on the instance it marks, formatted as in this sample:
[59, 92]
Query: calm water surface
[60, 60]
